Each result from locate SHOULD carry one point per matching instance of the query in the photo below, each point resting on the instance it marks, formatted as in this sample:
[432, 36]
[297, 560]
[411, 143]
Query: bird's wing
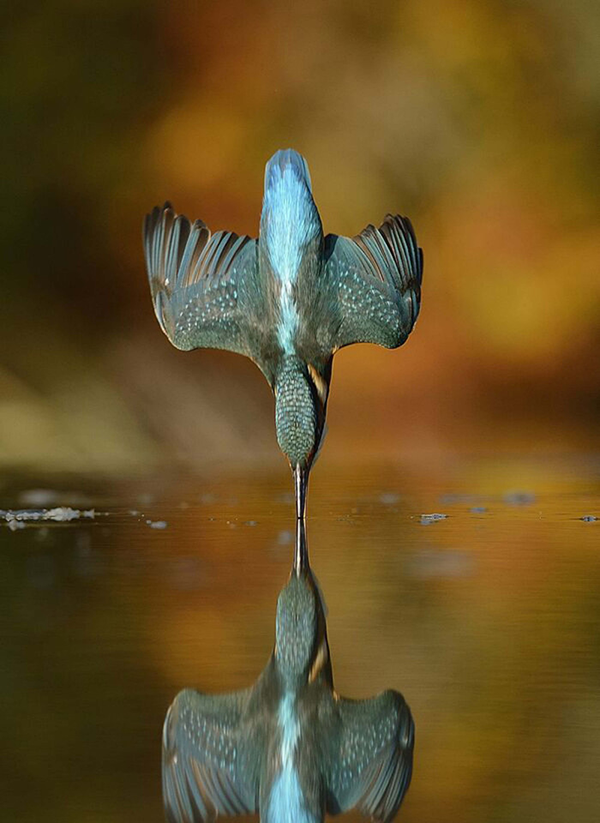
[206, 767]
[374, 283]
[372, 767]
[203, 285]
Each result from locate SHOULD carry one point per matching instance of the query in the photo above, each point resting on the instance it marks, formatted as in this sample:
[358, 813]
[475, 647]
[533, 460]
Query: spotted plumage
[288, 300]
[289, 748]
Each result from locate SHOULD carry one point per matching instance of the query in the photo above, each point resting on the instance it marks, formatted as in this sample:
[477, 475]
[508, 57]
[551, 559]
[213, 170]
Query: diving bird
[288, 300]
[290, 747]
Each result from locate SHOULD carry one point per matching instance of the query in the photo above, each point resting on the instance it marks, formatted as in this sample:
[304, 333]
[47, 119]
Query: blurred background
[477, 118]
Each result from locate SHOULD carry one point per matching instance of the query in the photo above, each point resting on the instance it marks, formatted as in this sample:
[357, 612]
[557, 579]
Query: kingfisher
[289, 747]
[288, 299]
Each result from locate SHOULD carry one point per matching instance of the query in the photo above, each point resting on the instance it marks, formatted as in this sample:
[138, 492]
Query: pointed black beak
[301, 564]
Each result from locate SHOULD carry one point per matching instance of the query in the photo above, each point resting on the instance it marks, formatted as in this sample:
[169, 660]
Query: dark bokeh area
[477, 119]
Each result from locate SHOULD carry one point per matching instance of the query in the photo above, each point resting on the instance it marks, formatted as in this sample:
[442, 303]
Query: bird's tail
[287, 159]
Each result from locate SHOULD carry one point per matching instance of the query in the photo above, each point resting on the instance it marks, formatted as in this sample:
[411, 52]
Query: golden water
[488, 621]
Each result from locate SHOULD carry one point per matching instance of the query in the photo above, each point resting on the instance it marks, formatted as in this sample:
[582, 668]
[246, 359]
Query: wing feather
[199, 280]
[205, 763]
[371, 768]
[375, 280]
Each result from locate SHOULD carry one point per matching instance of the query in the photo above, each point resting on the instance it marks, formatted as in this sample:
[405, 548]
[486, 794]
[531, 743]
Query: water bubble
[426, 519]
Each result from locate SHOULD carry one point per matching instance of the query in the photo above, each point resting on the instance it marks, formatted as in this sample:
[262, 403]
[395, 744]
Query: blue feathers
[290, 219]
[290, 223]
[287, 159]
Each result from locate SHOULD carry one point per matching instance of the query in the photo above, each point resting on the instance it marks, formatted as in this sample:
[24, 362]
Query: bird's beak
[300, 483]
[301, 548]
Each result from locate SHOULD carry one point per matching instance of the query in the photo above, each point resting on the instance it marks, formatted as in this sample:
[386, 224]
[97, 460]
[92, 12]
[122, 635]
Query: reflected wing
[376, 282]
[206, 770]
[372, 768]
[199, 281]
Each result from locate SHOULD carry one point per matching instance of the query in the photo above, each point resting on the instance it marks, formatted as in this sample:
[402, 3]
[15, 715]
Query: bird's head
[300, 637]
[300, 404]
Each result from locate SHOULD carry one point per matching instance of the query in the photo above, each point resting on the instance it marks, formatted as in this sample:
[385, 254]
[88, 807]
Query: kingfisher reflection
[289, 747]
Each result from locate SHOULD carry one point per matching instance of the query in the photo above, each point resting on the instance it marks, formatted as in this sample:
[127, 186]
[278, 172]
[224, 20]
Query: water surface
[487, 619]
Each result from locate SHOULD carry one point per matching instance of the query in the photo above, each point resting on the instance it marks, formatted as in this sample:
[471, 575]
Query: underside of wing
[374, 282]
[200, 281]
[372, 768]
[206, 767]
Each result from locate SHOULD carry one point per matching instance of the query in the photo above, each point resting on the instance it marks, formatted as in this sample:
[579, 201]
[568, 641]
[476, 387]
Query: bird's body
[288, 300]
[290, 747]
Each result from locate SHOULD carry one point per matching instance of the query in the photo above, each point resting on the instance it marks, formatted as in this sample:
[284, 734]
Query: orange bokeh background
[477, 119]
